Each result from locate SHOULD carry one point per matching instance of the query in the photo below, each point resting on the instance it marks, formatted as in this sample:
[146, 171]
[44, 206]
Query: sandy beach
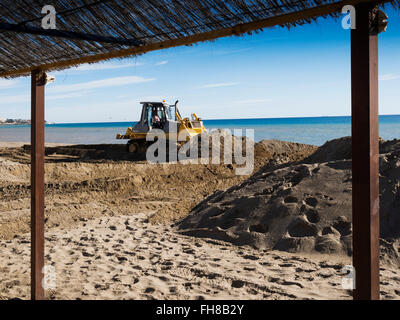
[120, 228]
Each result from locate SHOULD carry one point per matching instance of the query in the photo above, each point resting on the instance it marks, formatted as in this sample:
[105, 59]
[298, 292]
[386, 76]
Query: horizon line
[217, 119]
[291, 117]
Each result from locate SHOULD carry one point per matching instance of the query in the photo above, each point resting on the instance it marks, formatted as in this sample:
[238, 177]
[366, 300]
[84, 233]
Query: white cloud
[218, 85]
[98, 112]
[98, 67]
[27, 98]
[168, 99]
[226, 52]
[15, 99]
[112, 82]
[252, 101]
[389, 76]
[4, 83]
[75, 90]
[161, 63]
[65, 96]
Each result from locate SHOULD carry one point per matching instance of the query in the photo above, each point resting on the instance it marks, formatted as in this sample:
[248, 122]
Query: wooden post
[365, 148]
[37, 185]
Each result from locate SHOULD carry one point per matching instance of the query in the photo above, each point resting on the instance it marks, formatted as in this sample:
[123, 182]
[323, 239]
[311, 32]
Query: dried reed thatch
[148, 24]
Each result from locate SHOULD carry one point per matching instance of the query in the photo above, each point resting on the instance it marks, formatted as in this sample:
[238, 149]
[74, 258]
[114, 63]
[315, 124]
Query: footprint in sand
[173, 289]
[286, 265]
[149, 290]
[313, 216]
[249, 269]
[165, 279]
[189, 251]
[311, 201]
[155, 259]
[250, 257]
[237, 284]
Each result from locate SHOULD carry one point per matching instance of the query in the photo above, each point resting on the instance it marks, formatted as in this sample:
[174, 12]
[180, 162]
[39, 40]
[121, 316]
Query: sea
[309, 130]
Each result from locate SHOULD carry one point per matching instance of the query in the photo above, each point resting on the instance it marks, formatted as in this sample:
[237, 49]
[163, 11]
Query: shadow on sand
[88, 153]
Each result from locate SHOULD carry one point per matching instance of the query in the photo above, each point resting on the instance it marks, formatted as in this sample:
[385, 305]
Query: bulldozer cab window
[148, 115]
[160, 113]
[168, 113]
[156, 112]
[156, 116]
[171, 113]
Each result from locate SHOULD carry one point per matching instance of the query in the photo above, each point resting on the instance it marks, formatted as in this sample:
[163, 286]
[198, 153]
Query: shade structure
[89, 31]
[37, 184]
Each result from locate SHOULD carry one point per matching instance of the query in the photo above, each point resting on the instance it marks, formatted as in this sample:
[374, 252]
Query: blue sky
[304, 71]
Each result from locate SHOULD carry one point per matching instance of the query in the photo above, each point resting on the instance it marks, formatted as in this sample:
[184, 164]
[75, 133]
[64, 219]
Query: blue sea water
[310, 130]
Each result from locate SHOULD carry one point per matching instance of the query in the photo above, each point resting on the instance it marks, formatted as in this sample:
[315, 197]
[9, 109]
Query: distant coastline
[16, 122]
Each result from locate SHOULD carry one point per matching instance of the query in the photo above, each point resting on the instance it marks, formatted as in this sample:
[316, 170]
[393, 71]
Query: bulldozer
[165, 117]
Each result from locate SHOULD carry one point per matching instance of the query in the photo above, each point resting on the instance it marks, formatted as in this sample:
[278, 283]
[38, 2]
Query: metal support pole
[365, 148]
[37, 185]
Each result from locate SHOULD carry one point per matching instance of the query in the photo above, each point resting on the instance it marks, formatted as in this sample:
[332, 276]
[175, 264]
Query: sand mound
[340, 149]
[299, 207]
[337, 149]
[289, 151]
[239, 145]
[88, 181]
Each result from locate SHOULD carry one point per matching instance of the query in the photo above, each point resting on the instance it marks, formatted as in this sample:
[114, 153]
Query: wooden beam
[37, 186]
[207, 36]
[365, 148]
[17, 28]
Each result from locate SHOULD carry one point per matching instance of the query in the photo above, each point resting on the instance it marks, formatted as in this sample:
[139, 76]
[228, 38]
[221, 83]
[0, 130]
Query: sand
[301, 207]
[112, 230]
[127, 257]
[89, 181]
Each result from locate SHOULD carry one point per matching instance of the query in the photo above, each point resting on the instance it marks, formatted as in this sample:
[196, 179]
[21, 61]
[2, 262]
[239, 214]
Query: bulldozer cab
[173, 112]
[165, 117]
[154, 115]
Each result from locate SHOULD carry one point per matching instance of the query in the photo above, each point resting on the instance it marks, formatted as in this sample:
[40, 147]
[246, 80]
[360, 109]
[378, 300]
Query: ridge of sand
[128, 258]
[108, 231]
[86, 181]
[301, 207]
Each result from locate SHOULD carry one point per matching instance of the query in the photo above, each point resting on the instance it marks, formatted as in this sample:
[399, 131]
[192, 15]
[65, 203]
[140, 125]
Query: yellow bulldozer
[165, 117]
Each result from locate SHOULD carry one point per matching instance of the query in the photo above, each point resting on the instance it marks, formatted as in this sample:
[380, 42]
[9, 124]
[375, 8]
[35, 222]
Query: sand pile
[100, 205]
[219, 146]
[303, 207]
[89, 181]
[287, 152]
[282, 151]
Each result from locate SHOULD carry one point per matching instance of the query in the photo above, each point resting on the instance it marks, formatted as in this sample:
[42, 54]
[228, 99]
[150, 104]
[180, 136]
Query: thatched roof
[86, 28]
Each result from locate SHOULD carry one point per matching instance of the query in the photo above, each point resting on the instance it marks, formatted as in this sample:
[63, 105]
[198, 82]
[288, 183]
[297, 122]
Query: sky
[304, 71]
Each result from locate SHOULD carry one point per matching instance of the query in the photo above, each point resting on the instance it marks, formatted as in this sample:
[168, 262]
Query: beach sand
[112, 233]
[127, 257]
